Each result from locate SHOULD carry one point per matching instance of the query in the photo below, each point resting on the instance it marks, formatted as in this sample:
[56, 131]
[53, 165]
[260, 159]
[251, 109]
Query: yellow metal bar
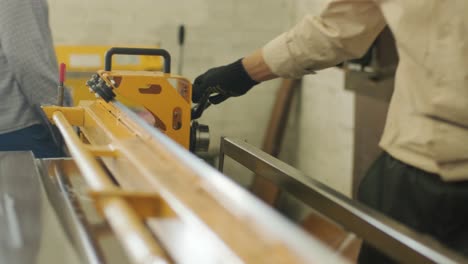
[145, 203]
[135, 237]
[74, 115]
[102, 151]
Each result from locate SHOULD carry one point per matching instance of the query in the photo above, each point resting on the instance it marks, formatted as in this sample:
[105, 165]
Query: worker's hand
[220, 83]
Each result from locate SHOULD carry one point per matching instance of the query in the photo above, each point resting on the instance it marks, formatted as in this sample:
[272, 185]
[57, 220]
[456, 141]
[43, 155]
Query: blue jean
[36, 138]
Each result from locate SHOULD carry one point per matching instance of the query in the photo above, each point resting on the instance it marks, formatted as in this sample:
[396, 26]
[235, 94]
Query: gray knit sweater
[28, 66]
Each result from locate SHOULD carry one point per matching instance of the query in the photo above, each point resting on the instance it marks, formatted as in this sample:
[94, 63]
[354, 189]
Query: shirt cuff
[277, 56]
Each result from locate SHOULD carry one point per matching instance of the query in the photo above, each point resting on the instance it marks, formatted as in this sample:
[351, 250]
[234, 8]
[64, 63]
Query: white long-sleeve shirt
[427, 123]
[28, 66]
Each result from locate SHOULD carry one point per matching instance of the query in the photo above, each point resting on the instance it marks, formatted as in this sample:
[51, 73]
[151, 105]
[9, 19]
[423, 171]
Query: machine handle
[138, 51]
[62, 73]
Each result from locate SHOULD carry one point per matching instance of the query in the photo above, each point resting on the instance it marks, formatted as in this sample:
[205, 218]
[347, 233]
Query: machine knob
[199, 137]
[100, 88]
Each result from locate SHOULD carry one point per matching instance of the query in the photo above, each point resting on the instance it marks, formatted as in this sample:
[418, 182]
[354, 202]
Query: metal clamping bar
[392, 238]
[130, 230]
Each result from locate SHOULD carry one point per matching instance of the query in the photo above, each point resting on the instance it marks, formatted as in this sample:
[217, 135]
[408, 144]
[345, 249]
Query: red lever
[63, 69]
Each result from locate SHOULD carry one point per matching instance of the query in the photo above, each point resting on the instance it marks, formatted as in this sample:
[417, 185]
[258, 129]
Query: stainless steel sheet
[30, 231]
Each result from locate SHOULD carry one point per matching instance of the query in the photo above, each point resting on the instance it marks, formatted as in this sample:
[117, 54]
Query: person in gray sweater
[28, 77]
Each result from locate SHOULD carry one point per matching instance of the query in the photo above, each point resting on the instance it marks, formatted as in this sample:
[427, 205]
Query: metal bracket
[103, 151]
[145, 204]
[74, 115]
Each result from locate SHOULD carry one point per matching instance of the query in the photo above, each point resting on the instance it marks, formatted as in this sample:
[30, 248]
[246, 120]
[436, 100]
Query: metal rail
[57, 187]
[392, 238]
[130, 230]
[30, 229]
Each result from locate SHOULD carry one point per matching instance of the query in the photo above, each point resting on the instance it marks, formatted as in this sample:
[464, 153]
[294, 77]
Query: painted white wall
[319, 138]
[327, 129]
[327, 122]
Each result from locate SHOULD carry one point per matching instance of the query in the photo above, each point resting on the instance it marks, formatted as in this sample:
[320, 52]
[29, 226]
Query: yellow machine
[169, 105]
[163, 96]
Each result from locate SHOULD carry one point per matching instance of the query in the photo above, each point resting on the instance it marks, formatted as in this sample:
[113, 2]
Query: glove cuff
[242, 80]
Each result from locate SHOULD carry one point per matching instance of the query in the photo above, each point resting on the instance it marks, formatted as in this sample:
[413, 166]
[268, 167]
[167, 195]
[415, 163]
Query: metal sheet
[90, 234]
[64, 198]
[29, 229]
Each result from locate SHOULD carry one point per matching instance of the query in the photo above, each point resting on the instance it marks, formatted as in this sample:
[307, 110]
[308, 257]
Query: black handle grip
[181, 35]
[138, 51]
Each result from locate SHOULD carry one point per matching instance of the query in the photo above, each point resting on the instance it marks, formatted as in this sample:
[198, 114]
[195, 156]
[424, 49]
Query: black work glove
[220, 83]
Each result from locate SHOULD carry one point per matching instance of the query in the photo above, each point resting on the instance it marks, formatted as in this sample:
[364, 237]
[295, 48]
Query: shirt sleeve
[27, 44]
[344, 30]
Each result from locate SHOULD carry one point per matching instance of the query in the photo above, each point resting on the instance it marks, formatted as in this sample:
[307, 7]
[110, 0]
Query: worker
[28, 77]
[421, 177]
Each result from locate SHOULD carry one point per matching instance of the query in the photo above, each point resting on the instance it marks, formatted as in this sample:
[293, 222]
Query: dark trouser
[36, 138]
[420, 200]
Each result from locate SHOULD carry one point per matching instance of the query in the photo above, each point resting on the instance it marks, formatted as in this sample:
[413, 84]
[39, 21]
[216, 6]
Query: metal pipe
[130, 230]
[93, 173]
[392, 238]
